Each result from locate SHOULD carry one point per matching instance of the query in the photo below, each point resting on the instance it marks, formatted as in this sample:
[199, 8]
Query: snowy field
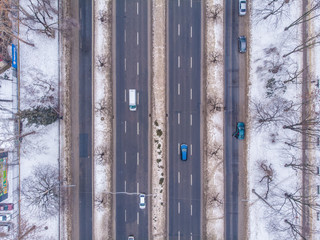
[275, 91]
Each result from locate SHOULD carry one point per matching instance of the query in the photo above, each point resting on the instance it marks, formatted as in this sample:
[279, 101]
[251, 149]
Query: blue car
[240, 131]
[184, 152]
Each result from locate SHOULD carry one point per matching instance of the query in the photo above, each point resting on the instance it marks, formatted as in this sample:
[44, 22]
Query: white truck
[132, 99]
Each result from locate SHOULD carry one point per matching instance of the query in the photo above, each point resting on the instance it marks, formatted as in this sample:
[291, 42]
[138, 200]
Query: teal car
[240, 131]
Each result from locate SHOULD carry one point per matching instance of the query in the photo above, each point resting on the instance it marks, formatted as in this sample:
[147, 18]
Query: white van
[132, 100]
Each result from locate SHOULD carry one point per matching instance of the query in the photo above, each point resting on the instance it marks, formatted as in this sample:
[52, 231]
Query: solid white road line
[137, 217]
[138, 98]
[178, 118]
[137, 38]
[125, 35]
[125, 126]
[125, 64]
[178, 177]
[178, 88]
[178, 29]
[125, 215]
[137, 128]
[125, 157]
[138, 158]
[178, 207]
[190, 93]
[190, 62]
[191, 210]
[137, 8]
[191, 31]
[191, 179]
[138, 68]
[178, 61]
[190, 119]
[125, 95]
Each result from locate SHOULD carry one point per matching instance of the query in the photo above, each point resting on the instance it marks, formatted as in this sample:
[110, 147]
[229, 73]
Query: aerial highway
[184, 91]
[132, 127]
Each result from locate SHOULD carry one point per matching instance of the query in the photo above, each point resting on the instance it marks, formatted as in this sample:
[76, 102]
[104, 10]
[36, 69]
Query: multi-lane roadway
[184, 84]
[131, 136]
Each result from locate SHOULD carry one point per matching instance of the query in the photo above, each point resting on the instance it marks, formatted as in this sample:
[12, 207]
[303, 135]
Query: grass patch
[156, 123]
[158, 160]
[159, 146]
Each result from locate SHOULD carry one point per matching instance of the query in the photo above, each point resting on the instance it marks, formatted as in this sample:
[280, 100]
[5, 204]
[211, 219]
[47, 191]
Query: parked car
[242, 7]
[242, 44]
[142, 203]
[5, 217]
[184, 152]
[240, 131]
[131, 237]
[6, 206]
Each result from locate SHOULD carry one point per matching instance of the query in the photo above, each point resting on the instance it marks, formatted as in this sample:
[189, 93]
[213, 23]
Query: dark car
[6, 206]
[184, 152]
[242, 44]
[240, 131]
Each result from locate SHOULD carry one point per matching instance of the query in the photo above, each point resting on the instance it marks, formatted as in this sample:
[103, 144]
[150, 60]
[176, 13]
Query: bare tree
[277, 71]
[273, 113]
[215, 57]
[305, 17]
[43, 90]
[9, 7]
[214, 200]
[102, 62]
[102, 201]
[41, 190]
[214, 104]
[308, 125]
[274, 10]
[102, 155]
[215, 151]
[214, 12]
[267, 175]
[308, 43]
[40, 16]
[297, 165]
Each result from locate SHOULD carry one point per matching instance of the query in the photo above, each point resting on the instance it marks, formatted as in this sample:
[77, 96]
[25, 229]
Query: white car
[142, 203]
[131, 237]
[5, 217]
[242, 7]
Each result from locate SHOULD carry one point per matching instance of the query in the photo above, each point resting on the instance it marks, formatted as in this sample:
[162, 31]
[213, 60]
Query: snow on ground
[103, 139]
[42, 147]
[266, 147]
[158, 98]
[213, 170]
[314, 60]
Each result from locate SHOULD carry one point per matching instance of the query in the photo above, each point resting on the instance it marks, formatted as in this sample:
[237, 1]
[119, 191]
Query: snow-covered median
[103, 144]
[158, 101]
[213, 174]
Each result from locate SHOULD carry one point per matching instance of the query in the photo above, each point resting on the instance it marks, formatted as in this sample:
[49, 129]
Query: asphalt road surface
[82, 126]
[184, 89]
[231, 117]
[131, 127]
